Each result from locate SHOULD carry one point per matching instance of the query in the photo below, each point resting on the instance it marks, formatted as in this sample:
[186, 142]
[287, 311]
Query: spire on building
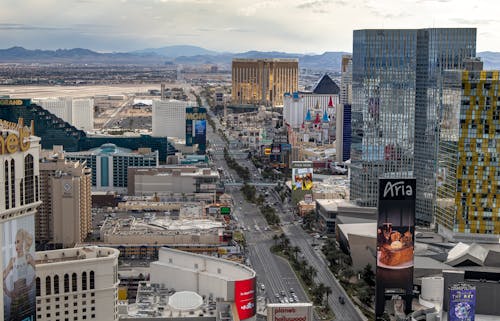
[330, 103]
[308, 116]
[325, 117]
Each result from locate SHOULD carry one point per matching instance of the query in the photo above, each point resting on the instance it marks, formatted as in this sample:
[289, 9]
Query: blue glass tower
[396, 106]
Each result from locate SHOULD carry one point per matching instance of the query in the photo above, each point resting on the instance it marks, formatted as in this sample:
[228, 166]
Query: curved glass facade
[396, 104]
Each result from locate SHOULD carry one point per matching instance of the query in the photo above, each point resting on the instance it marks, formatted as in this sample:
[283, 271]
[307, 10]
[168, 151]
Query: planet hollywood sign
[290, 312]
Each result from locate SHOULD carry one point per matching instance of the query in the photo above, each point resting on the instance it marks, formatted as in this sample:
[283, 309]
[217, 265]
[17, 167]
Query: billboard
[290, 312]
[462, 303]
[18, 251]
[395, 241]
[244, 298]
[196, 127]
[302, 179]
[200, 131]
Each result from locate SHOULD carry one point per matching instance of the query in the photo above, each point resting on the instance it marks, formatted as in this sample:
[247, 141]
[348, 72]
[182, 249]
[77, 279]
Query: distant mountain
[75, 55]
[327, 61]
[176, 51]
[187, 55]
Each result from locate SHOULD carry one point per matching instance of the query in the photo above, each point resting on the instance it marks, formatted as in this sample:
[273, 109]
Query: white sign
[289, 312]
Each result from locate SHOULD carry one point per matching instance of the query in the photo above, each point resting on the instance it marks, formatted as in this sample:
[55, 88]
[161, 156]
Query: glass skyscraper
[395, 107]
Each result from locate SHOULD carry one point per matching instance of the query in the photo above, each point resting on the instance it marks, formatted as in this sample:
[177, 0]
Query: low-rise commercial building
[327, 211]
[171, 179]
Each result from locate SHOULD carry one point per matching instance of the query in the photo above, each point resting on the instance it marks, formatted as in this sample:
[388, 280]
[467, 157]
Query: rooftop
[74, 254]
[158, 301]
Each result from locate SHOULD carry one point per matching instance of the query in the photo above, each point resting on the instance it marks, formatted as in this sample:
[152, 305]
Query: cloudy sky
[302, 26]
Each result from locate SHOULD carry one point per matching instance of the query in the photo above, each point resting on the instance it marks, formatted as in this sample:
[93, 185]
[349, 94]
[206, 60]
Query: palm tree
[296, 250]
[275, 239]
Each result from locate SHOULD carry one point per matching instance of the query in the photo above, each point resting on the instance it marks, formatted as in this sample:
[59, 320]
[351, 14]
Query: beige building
[263, 81]
[65, 217]
[77, 284]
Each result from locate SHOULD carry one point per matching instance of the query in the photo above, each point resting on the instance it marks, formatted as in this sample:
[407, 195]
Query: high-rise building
[468, 175]
[79, 112]
[346, 80]
[109, 164]
[19, 199]
[169, 118]
[65, 216]
[264, 81]
[77, 284]
[395, 104]
[437, 50]
[343, 112]
[343, 135]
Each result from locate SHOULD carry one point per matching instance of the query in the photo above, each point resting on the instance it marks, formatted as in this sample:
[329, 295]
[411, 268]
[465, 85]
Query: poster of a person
[19, 270]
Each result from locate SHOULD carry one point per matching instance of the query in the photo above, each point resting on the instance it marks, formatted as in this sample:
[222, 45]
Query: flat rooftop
[74, 254]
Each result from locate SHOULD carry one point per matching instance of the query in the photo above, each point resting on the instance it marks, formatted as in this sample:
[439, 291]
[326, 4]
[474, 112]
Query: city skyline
[301, 26]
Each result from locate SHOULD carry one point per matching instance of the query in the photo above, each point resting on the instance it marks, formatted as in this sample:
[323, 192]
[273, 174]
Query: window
[84, 281]
[66, 283]
[48, 285]
[56, 284]
[29, 179]
[38, 286]
[13, 183]
[92, 281]
[74, 285]
[6, 180]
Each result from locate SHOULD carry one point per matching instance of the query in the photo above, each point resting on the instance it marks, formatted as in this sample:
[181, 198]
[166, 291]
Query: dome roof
[185, 301]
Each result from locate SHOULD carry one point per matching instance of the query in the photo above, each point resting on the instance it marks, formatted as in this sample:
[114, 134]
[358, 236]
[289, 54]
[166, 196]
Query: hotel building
[263, 81]
[78, 112]
[65, 216]
[77, 284]
[395, 106]
[169, 118]
[468, 176]
[19, 186]
[109, 164]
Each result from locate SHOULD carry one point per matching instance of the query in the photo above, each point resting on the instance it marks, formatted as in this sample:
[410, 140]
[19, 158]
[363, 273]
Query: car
[292, 290]
[282, 293]
[262, 287]
[341, 300]
[277, 295]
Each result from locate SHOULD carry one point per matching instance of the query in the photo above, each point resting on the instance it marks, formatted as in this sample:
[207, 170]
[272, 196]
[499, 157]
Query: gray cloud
[463, 21]
[19, 26]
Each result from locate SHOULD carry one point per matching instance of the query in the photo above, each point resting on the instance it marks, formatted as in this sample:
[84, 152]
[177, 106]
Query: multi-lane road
[275, 273]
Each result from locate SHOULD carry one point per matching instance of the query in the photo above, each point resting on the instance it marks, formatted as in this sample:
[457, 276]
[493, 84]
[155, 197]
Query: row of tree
[341, 266]
[319, 291]
[242, 172]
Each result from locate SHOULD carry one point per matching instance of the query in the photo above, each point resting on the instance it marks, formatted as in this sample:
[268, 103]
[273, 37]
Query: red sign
[244, 298]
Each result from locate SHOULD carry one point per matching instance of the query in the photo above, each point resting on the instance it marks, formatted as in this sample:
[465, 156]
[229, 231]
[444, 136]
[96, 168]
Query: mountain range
[185, 54]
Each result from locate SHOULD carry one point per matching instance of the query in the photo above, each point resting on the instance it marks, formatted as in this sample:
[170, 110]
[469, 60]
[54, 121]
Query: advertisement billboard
[244, 298]
[395, 241]
[18, 251]
[290, 312]
[462, 303]
[200, 131]
[302, 179]
[196, 127]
